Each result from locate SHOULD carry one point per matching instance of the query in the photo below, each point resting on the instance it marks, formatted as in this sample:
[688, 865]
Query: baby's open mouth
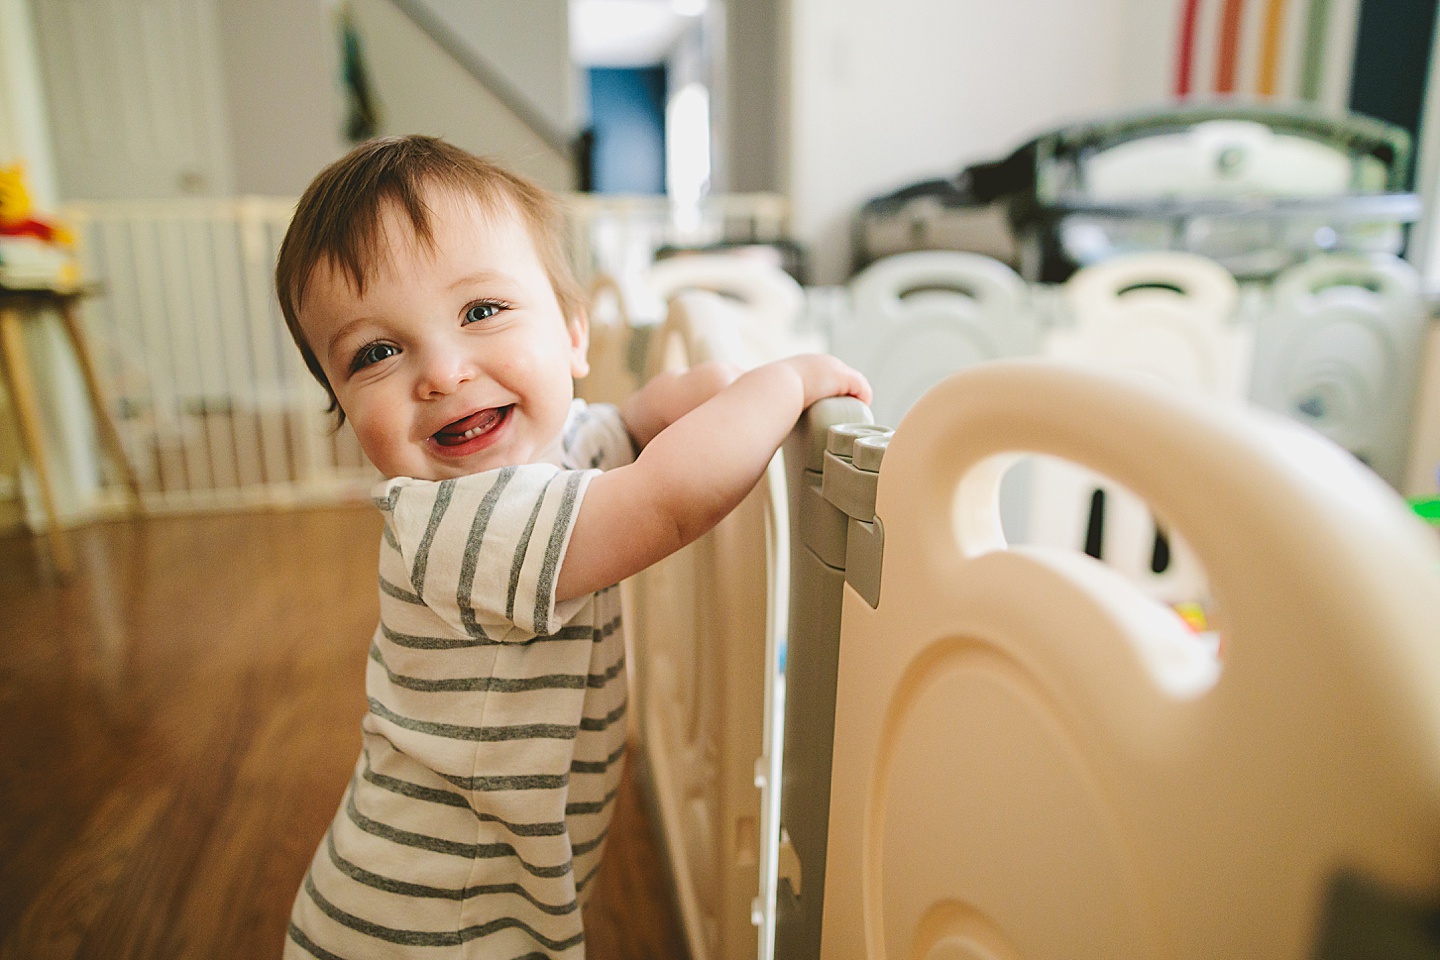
[468, 428]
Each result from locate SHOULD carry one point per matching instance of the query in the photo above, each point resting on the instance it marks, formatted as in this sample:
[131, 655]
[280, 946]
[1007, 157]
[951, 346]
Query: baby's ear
[578, 327]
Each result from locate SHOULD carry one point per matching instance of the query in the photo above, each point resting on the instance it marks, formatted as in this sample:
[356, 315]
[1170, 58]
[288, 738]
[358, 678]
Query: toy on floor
[1196, 616]
[1428, 508]
[33, 251]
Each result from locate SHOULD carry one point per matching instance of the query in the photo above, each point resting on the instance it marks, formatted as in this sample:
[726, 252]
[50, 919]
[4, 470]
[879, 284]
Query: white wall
[886, 92]
[134, 93]
[422, 90]
[1145, 51]
[286, 104]
[23, 131]
[752, 112]
[282, 94]
[526, 41]
[270, 113]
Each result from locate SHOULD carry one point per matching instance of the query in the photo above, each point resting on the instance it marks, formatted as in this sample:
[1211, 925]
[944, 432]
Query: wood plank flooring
[182, 717]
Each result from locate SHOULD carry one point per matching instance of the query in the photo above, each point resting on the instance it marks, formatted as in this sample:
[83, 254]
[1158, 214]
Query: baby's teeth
[485, 425]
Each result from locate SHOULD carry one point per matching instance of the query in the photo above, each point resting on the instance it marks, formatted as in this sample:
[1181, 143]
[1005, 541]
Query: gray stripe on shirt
[581, 885]
[443, 494]
[422, 891]
[600, 680]
[580, 849]
[496, 734]
[310, 946]
[487, 684]
[415, 791]
[600, 723]
[400, 593]
[597, 766]
[520, 549]
[470, 562]
[415, 642]
[594, 806]
[545, 585]
[498, 684]
[496, 784]
[426, 938]
[470, 851]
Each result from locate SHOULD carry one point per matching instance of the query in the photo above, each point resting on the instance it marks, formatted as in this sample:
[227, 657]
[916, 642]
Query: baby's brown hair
[338, 221]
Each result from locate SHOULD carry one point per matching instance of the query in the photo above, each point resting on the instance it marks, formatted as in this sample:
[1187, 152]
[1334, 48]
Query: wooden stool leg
[22, 394]
[104, 423]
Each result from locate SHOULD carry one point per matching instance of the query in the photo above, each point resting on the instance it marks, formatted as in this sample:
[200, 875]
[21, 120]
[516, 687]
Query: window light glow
[687, 144]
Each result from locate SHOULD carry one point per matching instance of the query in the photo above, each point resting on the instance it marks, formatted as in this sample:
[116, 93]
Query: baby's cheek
[379, 444]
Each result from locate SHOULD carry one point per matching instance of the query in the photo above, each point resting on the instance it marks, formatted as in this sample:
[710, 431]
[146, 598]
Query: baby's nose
[443, 371]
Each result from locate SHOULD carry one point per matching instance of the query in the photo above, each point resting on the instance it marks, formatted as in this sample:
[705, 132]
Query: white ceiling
[627, 33]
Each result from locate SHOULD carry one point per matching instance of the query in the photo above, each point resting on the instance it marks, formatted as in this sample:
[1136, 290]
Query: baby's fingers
[860, 388]
[825, 376]
[850, 382]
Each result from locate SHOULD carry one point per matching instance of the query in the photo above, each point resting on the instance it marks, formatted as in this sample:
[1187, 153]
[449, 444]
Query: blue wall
[627, 114]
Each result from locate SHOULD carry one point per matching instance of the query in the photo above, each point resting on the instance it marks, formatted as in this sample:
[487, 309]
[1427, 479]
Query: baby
[429, 294]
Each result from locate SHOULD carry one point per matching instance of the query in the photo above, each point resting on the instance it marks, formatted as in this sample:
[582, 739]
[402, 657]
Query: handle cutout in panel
[909, 292]
[1153, 285]
[1052, 503]
[1341, 282]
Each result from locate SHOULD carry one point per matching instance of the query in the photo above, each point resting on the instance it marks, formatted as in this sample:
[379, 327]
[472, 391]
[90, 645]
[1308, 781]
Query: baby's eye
[373, 353]
[483, 310]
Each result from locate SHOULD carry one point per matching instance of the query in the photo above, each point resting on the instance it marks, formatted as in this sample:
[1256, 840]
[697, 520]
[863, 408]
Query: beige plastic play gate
[1166, 316]
[706, 624]
[1341, 352]
[915, 318]
[1033, 759]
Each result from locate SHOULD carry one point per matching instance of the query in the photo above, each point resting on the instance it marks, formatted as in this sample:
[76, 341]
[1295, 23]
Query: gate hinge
[853, 453]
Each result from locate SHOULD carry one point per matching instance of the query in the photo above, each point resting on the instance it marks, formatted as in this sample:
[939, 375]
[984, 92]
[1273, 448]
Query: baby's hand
[825, 376]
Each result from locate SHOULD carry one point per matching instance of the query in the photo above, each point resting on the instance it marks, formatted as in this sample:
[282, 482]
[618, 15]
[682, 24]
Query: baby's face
[457, 359]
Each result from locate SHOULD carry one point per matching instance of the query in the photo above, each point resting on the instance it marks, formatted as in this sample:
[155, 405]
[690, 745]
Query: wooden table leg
[21, 386]
[104, 423]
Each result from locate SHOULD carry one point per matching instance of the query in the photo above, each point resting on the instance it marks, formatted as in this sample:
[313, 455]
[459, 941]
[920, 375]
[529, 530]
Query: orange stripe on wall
[1270, 48]
[1184, 61]
[1230, 19]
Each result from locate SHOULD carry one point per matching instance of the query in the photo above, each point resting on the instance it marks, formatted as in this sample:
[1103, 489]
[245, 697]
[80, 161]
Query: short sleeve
[483, 552]
[595, 438]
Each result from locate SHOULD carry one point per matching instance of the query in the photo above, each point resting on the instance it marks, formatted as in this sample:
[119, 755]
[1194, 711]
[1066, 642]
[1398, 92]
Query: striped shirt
[493, 745]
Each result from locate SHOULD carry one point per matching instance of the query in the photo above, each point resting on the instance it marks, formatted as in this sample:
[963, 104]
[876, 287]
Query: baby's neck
[553, 452]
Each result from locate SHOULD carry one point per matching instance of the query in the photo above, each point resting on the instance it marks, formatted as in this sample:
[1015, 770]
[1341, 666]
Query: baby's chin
[430, 467]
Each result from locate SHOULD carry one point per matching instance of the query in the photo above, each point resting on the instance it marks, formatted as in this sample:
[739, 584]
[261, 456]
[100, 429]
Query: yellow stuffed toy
[32, 250]
[15, 218]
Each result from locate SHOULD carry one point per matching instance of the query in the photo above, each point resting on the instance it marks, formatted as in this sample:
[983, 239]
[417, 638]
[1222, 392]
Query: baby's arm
[669, 396]
[694, 472]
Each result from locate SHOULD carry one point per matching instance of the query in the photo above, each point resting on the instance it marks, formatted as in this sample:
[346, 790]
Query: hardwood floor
[183, 716]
